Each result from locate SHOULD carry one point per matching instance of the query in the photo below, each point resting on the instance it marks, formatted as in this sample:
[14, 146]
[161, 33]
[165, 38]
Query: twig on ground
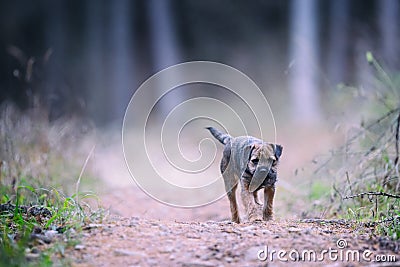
[392, 219]
[347, 222]
[372, 194]
[330, 221]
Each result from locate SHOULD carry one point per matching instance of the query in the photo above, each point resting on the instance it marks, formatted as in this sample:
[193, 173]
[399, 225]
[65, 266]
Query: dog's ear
[278, 151]
[246, 156]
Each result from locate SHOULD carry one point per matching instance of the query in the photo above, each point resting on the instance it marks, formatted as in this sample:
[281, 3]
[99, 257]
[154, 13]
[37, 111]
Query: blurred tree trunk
[95, 76]
[55, 93]
[122, 72]
[339, 18]
[389, 29]
[164, 46]
[303, 80]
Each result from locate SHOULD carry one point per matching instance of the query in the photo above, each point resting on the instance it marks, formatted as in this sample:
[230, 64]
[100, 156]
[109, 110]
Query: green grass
[16, 226]
[318, 190]
[43, 166]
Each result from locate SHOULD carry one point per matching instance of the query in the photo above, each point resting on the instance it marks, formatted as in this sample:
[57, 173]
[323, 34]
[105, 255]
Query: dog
[253, 163]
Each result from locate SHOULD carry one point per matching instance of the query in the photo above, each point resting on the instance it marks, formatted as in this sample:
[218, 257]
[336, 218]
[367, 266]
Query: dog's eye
[255, 161]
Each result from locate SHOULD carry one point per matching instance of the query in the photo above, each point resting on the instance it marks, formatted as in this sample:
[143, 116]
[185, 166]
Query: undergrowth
[364, 172]
[43, 206]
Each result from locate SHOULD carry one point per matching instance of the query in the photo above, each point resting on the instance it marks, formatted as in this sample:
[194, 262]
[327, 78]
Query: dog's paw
[255, 218]
[268, 218]
[258, 203]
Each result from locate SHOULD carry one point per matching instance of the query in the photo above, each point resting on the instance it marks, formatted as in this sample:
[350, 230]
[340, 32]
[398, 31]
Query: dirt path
[143, 232]
[140, 242]
[164, 236]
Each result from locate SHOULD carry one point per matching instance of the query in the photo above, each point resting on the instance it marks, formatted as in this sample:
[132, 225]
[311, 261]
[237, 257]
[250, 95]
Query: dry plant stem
[323, 165]
[348, 181]
[367, 128]
[372, 194]
[375, 151]
[81, 173]
[375, 123]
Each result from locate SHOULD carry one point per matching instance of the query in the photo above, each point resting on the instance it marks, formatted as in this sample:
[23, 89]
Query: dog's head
[262, 163]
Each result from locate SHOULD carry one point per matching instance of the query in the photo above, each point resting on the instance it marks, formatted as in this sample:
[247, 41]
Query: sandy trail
[143, 232]
[134, 241]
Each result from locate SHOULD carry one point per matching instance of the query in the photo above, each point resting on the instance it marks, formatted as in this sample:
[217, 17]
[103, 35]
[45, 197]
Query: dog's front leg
[234, 208]
[248, 202]
[255, 195]
[269, 193]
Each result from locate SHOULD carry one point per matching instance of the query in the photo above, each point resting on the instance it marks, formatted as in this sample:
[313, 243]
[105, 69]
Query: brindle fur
[242, 157]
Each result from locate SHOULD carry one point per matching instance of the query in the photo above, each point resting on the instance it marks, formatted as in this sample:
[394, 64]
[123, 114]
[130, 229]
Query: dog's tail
[220, 136]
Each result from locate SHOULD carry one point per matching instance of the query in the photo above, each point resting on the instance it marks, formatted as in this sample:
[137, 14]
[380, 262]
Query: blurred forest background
[88, 57]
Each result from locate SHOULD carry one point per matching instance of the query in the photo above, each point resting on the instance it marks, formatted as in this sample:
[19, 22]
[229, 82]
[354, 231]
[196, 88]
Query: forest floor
[159, 235]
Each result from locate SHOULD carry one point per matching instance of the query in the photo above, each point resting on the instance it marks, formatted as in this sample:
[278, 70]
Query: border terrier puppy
[254, 163]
